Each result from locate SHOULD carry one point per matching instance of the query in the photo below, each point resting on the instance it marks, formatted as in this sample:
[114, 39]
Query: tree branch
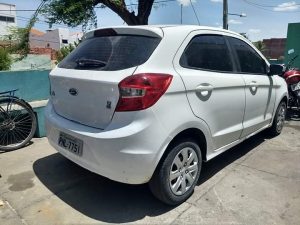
[119, 7]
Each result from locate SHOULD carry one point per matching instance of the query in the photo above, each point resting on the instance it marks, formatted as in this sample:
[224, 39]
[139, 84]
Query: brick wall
[274, 47]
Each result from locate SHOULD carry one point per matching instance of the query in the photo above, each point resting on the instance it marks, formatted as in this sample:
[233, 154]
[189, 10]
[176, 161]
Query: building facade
[7, 18]
[274, 48]
[55, 39]
[293, 42]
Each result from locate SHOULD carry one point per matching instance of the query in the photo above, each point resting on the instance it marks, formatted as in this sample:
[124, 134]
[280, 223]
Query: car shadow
[210, 168]
[112, 202]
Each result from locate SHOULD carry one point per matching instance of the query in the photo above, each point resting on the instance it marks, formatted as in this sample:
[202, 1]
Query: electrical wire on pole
[225, 14]
[181, 6]
[195, 12]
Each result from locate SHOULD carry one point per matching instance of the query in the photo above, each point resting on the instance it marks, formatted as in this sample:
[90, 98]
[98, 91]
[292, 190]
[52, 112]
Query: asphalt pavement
[256, 182]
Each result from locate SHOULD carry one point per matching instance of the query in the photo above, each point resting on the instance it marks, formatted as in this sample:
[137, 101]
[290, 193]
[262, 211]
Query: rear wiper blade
[90, 62]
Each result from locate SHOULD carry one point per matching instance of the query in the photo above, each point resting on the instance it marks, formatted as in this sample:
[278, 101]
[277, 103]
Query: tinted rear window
[109, 53]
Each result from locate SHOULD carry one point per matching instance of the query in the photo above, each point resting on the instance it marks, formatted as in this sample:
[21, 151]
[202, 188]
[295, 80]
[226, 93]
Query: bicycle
[17, 121]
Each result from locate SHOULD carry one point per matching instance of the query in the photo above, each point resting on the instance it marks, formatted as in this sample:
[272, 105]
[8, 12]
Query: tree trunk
[144, 10]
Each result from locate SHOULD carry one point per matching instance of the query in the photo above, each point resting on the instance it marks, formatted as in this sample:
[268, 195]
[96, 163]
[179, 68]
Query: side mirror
[276, 69]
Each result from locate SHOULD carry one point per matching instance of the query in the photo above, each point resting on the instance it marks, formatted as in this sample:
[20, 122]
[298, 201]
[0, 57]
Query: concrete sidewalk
[257, 182]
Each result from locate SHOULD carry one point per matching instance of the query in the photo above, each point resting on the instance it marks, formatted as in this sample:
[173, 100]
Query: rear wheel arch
[285, 99]
[282, 99]
[278, 118]
[194, 134]
[161, 184]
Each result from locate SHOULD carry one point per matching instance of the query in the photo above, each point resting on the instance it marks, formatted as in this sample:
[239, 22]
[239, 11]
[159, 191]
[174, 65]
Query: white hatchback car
[150, 103]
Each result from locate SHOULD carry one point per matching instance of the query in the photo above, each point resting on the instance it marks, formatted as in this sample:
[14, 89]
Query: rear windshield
[109, 53]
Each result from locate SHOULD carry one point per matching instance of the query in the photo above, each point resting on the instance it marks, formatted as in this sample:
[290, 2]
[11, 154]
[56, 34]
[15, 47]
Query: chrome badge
[108, 104]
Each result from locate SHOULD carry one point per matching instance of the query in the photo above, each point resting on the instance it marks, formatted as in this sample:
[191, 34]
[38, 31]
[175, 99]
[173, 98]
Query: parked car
[151, 103]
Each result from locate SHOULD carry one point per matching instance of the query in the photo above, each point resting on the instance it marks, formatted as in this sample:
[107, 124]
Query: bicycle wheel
[17, 124]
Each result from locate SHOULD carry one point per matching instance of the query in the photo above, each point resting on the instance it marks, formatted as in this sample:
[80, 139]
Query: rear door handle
[204, 90]
[204, 87]
[253, 84]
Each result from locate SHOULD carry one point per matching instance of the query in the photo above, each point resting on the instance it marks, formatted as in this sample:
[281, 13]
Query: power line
[269, 10]
[39, 21]
[270, 6]
[195, 12]
[17, 10]
[35, 10]
[131, 4]
[43, 22]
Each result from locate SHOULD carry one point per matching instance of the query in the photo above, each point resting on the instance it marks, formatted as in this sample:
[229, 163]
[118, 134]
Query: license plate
[70, 143]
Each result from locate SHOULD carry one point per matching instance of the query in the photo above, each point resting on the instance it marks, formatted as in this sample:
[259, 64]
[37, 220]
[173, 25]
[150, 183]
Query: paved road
[257, 182]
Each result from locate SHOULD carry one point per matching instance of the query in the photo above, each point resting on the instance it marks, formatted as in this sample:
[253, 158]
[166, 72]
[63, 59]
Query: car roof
[162, 28]
[181, 27]
[189, 28]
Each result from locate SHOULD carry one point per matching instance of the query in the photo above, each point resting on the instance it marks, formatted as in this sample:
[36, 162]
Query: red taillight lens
[141, 91]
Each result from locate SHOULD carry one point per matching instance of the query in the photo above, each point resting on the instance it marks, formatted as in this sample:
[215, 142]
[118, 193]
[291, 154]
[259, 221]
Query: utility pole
[181, 13]
[225, 14]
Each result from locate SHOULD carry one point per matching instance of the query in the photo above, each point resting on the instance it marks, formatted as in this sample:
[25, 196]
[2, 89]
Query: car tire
[177, 174]
[279, 119]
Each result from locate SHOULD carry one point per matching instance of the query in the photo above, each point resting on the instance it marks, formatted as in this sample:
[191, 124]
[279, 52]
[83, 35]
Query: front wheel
[176, 176]
[17, 124]
[279, 119]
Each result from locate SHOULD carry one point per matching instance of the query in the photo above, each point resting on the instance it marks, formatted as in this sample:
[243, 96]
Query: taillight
[141, 91]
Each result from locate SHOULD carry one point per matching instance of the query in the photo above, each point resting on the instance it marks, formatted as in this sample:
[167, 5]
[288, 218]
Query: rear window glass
[109, 53]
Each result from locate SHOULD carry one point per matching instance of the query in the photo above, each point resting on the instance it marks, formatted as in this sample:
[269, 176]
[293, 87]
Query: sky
[264, 19]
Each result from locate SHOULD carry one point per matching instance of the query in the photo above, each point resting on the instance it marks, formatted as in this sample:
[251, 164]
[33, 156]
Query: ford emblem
[73, 91]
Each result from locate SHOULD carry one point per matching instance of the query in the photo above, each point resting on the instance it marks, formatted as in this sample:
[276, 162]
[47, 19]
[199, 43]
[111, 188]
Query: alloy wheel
[280, 118]
[183, 171]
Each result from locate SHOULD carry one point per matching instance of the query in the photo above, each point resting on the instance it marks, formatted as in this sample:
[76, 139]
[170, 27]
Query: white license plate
[70, 143]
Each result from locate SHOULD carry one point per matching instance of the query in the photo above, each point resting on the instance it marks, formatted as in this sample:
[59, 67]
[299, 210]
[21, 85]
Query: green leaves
[75, 13]
[260, 46]
[5, 59]
[64, 51]
[117, 2]
[70, 12]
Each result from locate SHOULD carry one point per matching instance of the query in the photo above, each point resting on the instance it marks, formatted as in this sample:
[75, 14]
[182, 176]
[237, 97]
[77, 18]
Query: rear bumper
[128, 154]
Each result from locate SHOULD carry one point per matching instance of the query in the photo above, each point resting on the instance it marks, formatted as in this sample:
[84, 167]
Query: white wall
[49, 40]
[12, 14]
[53, 39]
[75, 37]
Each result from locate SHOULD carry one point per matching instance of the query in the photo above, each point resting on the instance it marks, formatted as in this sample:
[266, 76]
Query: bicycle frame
[9, 95]
[18, 121]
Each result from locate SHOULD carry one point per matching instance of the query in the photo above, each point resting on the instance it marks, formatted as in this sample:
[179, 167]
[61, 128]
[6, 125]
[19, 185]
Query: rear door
[260, 88]
[215, 91]
[84, 86]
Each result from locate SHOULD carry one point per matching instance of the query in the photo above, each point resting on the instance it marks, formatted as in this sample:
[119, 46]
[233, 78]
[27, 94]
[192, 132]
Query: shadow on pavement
[213, 166]
[95, 196]
[108, 201]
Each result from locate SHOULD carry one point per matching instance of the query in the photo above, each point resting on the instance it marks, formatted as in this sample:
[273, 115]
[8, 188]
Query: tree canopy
[74, 12]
